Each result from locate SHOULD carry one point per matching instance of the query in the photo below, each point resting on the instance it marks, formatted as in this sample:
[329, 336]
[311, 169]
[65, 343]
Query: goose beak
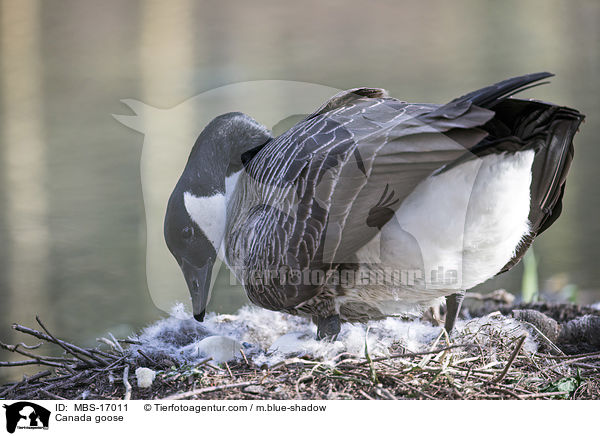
[198, 281]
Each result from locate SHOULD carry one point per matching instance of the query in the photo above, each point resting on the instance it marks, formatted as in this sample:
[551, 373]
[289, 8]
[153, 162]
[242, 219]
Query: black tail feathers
[491, 95]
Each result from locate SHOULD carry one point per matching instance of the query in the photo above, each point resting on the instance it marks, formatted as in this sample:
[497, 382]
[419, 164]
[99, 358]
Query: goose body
[372, 207]
[446, 250]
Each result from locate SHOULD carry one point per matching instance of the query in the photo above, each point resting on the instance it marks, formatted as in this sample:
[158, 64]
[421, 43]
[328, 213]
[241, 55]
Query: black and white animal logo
[26, 415]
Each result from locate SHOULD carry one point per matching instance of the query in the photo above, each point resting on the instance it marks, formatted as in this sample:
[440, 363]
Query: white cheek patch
[209, 213]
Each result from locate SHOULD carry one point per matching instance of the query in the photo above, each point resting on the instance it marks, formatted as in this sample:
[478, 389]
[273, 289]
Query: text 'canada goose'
[372, 207]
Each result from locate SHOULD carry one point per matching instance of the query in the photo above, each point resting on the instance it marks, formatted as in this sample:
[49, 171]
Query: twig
[205, 361]
[37, 376]
[51, 395]
[404, 355]
[126, 383]
[50, 338]
[29, 347]
[384, 393]
[542, 394]
[571, 356]
[15, 349]
[101, 353]
[585, 366]
[63, 344]
[210, 389]
[364, 394]
[506, 391]
[130, 341]
[148, 358]
[69, 379]
[428, 357]
[300, 380]
[228, 370]
[511, 359]
[543, 336]
[113, 365]
[72, 348]
[33, 362]
[244, 356]
[572, 361]
[117, 345]
[216, 368]
[107, 342]
[407, 385]
[25, 381]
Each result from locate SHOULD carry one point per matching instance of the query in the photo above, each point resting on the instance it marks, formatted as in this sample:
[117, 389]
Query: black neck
[206, 168]
[218, 152]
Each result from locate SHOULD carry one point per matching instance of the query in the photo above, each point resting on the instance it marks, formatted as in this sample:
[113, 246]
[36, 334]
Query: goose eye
[187, 232]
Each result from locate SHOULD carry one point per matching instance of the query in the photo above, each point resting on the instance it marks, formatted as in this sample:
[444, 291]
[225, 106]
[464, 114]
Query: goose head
[196, 212]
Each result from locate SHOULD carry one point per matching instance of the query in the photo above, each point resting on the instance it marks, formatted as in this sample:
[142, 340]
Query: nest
[479, 362]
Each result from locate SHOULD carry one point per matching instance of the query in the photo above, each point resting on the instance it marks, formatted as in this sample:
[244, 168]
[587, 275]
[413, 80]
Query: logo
[26, 415]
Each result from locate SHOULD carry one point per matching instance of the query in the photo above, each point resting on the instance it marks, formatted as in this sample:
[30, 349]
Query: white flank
[469, 219]
[209, 213]
[457, 229]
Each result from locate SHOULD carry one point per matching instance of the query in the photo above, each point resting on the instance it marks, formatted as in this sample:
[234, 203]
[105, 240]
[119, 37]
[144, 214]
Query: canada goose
[443, 196]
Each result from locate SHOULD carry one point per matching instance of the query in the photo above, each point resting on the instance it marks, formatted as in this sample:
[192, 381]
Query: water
[72, 220]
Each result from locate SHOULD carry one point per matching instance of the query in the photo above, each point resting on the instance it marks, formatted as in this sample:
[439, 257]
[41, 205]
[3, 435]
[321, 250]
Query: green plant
[529, 285]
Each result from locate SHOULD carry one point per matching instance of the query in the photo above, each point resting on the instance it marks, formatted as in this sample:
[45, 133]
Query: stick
[569, 361]
[70, 348]
[571, 356]
[244, 356]
[542, 394]
[364, 394]
[44, 337]
[402, 355]
[152, 361]
[511, 359]
[384, 393]
[29, 347]
[51, 395]
[33, 362]
[112, 365]
[101, 353]
[68, 379]
[107, 342]
[25, 381]
[204, 361]
[228, 370]
[210, 389]
[130, 341]
[126, 383]
[117, 345]
[506, 391]
[15, 349]
[543, 336]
